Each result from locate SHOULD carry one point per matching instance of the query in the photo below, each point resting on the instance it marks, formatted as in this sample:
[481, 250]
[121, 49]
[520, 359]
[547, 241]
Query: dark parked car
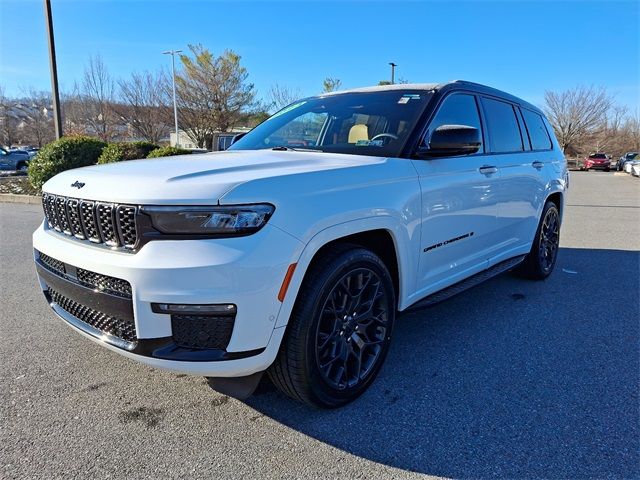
[596, 161]
[14, 160]
[627, 157]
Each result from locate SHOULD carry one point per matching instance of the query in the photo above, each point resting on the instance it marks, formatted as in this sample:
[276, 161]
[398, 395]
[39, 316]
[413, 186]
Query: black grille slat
[50, 211]
[98, 222]
[126, 220]
[105, 214]
[88, 217]
[117, 327]
[104, 283]
[202, 331]
[61, 213]
[73, 214]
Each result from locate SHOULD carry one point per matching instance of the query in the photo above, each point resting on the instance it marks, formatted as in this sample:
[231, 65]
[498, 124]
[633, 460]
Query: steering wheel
[385, 135]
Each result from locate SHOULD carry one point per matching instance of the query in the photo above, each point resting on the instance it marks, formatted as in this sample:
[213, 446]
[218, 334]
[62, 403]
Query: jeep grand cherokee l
[292, 252]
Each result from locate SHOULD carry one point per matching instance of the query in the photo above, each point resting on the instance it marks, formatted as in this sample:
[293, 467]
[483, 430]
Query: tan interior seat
[358, 132]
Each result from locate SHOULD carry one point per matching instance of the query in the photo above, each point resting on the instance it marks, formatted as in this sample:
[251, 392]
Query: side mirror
[451, 140]
[237, 137]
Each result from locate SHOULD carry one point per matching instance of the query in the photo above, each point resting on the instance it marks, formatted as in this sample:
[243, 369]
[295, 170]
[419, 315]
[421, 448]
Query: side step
[466, 284]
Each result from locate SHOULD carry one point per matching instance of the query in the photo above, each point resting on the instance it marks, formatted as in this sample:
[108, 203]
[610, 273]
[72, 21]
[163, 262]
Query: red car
[596, 161]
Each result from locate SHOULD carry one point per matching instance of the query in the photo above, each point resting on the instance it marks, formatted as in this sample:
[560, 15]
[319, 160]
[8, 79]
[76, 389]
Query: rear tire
[339, 331]
[541, 260]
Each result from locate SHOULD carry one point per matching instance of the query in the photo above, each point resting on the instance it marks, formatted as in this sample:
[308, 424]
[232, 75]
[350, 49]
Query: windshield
[371, 123]
[597, 155]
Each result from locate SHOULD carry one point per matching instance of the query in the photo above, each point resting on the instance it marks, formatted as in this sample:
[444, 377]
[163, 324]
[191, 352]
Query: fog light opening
[194, 309]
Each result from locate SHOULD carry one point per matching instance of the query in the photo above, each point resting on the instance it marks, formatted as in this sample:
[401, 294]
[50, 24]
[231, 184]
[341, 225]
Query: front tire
[541, 260]
[339, 331]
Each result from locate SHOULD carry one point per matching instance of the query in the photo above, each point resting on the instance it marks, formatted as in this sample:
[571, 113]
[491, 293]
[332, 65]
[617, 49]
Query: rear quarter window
[538, 134]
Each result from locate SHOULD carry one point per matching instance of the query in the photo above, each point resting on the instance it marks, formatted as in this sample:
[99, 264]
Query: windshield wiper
[282, 148]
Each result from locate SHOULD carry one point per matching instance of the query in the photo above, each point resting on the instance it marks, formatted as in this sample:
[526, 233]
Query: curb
[15, 198]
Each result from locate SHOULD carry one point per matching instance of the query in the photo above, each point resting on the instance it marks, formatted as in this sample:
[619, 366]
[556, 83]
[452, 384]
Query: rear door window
[502, 125]
[538, 134]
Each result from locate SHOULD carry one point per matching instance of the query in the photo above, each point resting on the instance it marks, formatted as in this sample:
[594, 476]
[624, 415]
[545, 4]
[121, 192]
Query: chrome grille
[99, 222]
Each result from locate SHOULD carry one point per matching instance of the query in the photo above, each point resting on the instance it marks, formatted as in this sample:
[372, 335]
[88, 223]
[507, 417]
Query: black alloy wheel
[352, 328]
[340, 329]
[541, 260]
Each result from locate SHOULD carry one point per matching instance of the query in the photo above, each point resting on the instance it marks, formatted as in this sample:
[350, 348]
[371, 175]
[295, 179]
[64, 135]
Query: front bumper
[598, 166]
[245, 271]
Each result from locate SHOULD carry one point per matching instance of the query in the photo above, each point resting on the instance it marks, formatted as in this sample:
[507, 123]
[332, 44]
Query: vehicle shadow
[511, 379]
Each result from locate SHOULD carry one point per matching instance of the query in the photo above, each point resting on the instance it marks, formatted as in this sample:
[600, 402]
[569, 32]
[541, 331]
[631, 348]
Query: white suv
[293, 251]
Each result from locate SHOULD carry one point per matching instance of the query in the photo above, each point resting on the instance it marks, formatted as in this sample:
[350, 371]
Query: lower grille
[93, 280]
[104, 283]
[202, 331]
[53, 265]
[117, 327]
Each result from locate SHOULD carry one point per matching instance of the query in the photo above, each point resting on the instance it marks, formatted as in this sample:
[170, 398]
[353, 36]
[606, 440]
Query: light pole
[173, 77]
[55, 96]
[393, 72]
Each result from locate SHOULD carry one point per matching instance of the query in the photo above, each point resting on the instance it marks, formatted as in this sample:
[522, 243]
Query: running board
[466, 284]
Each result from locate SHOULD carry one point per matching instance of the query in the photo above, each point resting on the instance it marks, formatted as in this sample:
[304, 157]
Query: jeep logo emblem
[77, 184]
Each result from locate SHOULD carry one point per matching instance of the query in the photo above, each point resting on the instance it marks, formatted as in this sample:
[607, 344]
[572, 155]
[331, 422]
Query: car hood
[191, 179]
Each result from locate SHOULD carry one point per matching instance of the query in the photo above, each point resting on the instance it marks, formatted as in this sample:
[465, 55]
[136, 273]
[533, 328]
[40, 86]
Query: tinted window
[458, 109]
[598, 155]
[502, 124]
[537, 131]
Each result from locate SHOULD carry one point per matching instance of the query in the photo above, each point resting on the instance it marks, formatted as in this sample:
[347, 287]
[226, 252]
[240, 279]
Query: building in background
[220, 140]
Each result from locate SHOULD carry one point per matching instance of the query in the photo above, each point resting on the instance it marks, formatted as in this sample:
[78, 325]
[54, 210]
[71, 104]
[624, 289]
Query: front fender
[405, 248]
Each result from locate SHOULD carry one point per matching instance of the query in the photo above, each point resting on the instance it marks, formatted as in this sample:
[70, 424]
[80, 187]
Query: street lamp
[393, 72]
[173, 76]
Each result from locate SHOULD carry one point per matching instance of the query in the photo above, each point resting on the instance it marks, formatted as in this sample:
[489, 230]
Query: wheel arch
[558, 199]
[379, 235]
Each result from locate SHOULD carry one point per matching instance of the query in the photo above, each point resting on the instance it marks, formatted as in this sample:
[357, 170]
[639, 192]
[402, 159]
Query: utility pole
[393, 72]
[175, 103]
[55, 95]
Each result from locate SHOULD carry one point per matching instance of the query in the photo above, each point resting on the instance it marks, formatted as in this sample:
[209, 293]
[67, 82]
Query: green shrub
[61, 155]
[116, 152]
[168, 152]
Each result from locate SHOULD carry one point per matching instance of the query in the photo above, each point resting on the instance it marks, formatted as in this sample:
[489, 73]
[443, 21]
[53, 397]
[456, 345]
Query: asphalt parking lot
[512, 379]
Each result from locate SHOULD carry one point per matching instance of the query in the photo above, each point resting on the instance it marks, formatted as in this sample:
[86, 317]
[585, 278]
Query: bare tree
[96, 97]
[8, 120]
[577, 114]
[212, 93]
[37, 118]
[280, 96]
[145, 105]
[330, 84]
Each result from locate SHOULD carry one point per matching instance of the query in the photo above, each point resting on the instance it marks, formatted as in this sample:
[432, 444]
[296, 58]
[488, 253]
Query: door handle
[537, 165]
[488, 170]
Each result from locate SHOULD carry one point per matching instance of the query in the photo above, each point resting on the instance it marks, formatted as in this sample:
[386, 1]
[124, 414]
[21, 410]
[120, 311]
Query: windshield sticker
[288, 109]
[408, 96]
[370, 143]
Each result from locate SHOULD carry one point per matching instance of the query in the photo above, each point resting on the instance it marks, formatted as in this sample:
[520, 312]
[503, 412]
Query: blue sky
[522, 47]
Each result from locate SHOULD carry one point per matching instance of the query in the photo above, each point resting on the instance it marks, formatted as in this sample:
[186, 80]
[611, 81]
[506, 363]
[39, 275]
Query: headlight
[214, 220]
